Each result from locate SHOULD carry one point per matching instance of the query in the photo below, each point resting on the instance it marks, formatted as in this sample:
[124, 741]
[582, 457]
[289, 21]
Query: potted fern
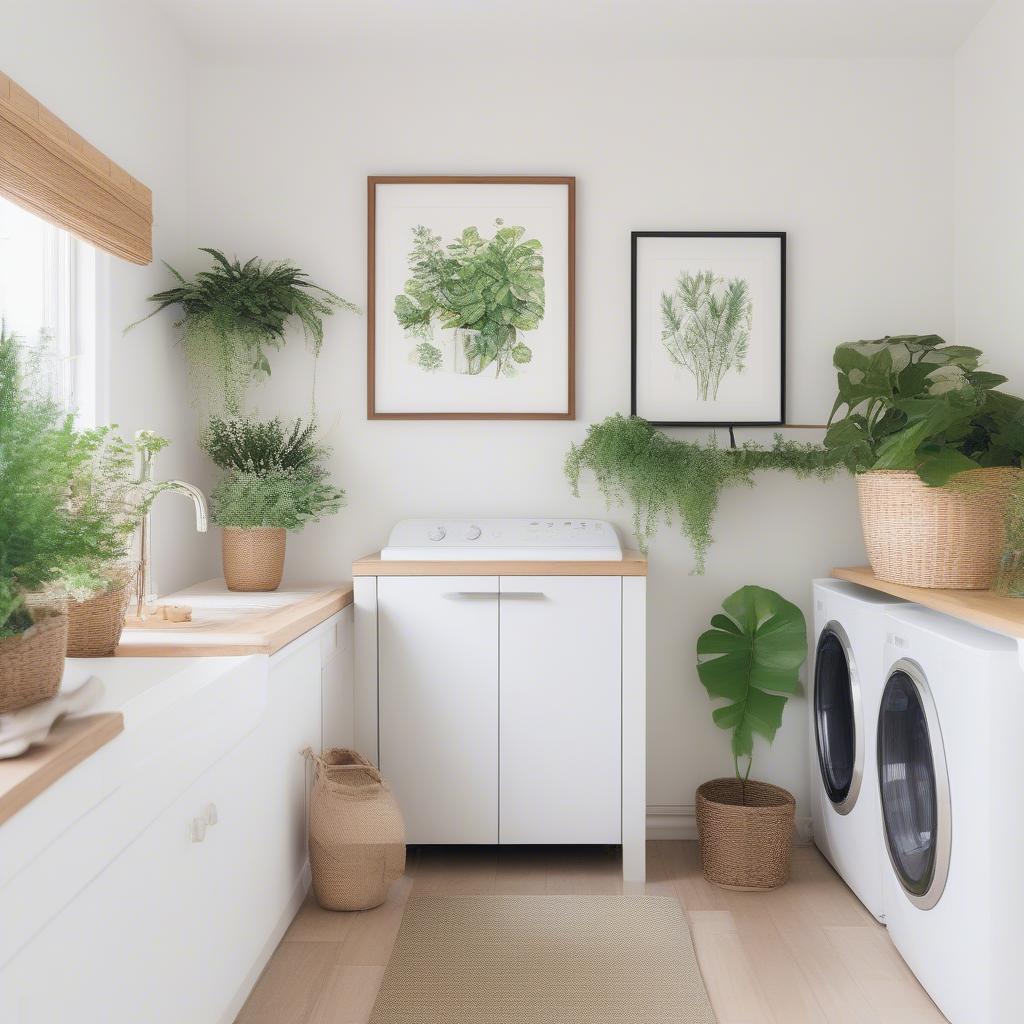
[233, 313]
[274, 482]
[937, 451]
[750, 658]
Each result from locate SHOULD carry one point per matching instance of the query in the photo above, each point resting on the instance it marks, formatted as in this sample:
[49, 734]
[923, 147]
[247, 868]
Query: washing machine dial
[472, 532]
[437, 533]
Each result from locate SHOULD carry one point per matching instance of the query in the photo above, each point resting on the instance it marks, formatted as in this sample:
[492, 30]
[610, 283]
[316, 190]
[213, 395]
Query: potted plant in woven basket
[41, 530]
[751, 658]
[274, 482]
[937, 452]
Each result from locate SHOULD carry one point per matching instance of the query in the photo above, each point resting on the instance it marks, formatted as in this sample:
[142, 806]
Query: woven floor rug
[543, 960]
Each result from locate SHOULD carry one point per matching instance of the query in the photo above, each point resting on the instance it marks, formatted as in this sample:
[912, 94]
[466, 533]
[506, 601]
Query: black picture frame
[635, 236]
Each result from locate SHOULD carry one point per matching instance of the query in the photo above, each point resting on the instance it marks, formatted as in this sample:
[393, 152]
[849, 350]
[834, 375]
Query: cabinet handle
[211, 814]
[515, 595]
[197, 830]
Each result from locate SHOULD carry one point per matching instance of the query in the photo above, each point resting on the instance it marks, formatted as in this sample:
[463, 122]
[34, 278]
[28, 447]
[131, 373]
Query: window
[48, 298]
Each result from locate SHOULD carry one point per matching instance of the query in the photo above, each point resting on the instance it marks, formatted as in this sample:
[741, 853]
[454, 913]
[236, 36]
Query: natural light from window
[48, 299]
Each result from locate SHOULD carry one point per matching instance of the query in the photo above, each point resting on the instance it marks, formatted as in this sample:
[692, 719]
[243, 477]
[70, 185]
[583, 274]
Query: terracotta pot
[745, 830]
[253, 559]
[32, 663]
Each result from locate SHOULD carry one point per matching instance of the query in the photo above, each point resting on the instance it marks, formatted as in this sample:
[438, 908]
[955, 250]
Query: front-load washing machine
[948, 749]
[849, 637]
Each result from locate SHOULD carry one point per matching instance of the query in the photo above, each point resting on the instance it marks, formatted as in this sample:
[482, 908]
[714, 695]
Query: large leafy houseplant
[490, 289]
[233, 313]
[665, 479]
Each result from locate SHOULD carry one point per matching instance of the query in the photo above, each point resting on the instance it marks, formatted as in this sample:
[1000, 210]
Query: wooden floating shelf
[982, 607]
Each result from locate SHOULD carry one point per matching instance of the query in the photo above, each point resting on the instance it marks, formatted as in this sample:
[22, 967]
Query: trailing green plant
[490, 288]
[705, 327]
[274, 473]
[234, 312]
[751, 658]
[665, 479]
[45, 525]
[914, 402]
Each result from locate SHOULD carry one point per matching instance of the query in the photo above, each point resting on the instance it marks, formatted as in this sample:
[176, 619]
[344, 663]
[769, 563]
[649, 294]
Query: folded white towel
[20, 729]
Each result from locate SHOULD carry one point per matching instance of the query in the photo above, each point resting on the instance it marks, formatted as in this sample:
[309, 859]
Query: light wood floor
[807, 952]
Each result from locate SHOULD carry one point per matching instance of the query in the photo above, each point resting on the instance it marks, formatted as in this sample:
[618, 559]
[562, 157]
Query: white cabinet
[438, 700]
[560, 650]
[497, 706]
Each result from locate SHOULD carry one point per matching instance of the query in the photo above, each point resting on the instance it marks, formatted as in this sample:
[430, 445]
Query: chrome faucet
[144, 599]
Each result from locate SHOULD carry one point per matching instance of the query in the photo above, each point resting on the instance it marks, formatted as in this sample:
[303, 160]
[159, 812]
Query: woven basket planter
[94, 626]
[32, 663]
[253, 559]
[949, 537]
[745, 831]
[356, 832]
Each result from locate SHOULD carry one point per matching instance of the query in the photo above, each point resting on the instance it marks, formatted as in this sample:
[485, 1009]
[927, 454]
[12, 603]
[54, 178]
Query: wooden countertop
[225, 623]
[632, 564]
[69, 743]
[981, 607]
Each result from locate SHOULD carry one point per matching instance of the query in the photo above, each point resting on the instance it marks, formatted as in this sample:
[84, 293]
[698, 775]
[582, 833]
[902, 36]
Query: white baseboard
[679, 821]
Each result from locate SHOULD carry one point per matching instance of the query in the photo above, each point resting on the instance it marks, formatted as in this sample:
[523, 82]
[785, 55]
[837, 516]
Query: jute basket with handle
[32, 662]
[253, 559]
[356, 832]
[745, 831]
[949, 537]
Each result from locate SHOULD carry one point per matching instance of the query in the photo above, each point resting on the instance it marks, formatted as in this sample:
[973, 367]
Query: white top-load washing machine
[849, 640]
[948, 749]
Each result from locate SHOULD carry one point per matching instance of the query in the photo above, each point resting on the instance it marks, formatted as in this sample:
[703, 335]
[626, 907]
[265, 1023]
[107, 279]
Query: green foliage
[428, 356]
[751, 658]
[705, 325]
[234, 312]
[665, 479]
[48, 521]
[491, 288]
[274, 474]
[914, 402]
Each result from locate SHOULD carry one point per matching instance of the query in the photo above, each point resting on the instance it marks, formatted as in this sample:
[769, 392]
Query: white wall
[119, 75]
[853, 159]
[990, 189]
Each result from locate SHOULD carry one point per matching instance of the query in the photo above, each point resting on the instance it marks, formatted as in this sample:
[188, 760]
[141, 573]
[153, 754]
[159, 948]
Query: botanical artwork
[706, 327]
[708, 330]
[471, 298]
[470, 305]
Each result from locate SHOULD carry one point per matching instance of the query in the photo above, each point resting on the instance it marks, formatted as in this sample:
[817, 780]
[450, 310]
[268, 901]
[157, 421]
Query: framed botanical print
[471, 302]
[709, 328]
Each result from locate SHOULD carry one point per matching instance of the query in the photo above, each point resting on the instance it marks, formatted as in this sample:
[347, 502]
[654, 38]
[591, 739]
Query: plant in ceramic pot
[41, 531]
[233, 313]
[750, 658]
[937, 451]
[274, 482]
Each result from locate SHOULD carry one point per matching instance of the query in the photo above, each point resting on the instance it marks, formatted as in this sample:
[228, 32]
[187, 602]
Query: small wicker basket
[32, 663]
[253, 560]
[949, 537]
[745, 831]
[95, 625]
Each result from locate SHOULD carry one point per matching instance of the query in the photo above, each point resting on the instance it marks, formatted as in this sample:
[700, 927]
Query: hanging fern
[234, 312]
[666, 479]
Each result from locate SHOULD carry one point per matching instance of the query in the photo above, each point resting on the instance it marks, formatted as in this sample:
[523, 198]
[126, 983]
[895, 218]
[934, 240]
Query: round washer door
[914, 785]
[838, 725]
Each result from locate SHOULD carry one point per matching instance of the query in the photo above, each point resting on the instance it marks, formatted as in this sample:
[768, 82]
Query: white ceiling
[484, 30]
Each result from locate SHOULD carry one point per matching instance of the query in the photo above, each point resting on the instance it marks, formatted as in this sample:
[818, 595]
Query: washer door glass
[835, 718]
[906, 775]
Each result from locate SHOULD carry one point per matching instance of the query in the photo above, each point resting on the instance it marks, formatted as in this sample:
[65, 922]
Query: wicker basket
[253, 559]
[32, 663]
[948, 537]
[94, 626]
[746, 833]
[356, 832]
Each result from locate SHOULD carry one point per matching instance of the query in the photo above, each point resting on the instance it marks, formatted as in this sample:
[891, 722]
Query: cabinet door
[561, 702]
[438, 704]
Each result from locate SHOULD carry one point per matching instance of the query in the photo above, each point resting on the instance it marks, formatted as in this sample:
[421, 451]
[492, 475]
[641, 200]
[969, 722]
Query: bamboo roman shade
[49, 169]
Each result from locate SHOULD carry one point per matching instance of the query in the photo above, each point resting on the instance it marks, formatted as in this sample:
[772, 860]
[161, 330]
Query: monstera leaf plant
[492, 289]
[751, 658]
[914, 402]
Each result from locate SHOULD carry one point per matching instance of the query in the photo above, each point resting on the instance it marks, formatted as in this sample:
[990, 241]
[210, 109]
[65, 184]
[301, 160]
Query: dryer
[952, 813]
[849, 638]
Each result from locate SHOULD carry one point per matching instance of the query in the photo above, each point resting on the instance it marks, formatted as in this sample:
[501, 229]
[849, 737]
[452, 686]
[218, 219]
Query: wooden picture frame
[450, 377]
[674, 253]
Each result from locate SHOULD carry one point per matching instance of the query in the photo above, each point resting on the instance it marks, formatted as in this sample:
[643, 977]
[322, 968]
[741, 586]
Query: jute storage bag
[356, 832]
